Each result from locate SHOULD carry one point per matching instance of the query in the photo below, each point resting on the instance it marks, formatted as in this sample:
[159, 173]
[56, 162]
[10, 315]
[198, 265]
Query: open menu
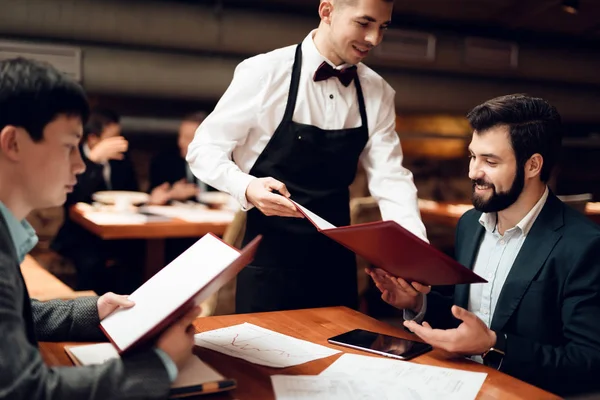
[187, 281]
[389, 246]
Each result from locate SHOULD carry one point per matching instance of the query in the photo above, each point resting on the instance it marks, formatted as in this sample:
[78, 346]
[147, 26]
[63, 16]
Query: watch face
[493, 358]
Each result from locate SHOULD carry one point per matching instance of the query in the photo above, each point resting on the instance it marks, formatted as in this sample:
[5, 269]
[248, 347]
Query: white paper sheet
[168, 289]
[307, 387]
[428, 382]
[194, 372]
[191, 214]
[261, 346]
[317, 221]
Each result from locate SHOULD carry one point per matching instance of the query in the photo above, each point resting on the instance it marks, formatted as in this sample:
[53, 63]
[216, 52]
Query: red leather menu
[389, 246]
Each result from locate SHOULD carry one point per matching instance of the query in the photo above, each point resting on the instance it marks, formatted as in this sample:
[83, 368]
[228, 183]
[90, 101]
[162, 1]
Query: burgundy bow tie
[326, 71]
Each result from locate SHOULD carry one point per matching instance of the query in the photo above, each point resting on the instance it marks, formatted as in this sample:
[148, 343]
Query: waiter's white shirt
[251, 109]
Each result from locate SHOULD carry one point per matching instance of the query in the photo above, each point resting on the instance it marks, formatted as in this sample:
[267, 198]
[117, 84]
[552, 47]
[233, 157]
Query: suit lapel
[540, 241]
[469, 243]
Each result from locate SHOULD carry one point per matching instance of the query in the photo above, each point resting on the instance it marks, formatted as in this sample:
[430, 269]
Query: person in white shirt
[284, 130]
[536, 318]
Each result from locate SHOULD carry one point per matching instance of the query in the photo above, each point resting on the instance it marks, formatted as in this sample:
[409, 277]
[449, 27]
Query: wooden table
[316, 325]
[154, 233]
[42, 285]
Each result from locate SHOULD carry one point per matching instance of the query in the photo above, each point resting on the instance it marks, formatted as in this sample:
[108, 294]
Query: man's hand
[112, 148]
[260, 193]
[471, 337]
[109, 302]
[397, 292]
[160, 194]
[183, 190]
[178, 340]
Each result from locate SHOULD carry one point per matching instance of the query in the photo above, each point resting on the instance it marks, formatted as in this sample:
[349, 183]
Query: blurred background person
[170, 175]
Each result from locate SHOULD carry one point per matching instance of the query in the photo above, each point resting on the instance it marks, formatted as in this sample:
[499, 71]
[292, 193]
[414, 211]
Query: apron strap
[291, 103]
[361, 103]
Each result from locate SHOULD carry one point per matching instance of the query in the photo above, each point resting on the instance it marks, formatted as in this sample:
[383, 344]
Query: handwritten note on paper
[427, 381]
[308, 387]
[262, 346]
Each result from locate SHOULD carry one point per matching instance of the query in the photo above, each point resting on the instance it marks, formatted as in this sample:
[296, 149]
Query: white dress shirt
[495, 258]
[251, 109]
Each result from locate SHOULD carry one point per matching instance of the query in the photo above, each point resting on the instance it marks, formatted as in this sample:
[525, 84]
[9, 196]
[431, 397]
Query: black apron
[296, 266]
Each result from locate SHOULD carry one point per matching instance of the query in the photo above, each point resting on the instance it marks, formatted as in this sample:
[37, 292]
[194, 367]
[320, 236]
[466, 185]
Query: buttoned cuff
[409, 315]
[168, 363]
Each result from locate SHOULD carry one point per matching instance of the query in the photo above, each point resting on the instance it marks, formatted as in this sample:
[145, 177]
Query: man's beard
[499, 200]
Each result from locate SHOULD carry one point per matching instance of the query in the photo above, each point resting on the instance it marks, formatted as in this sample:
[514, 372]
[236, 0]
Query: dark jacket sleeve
[25, 376]
[574, 364]
[71, 320]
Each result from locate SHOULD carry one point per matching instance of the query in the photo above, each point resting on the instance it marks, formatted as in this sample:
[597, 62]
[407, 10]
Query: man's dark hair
[533, 124]
[196, 117]
[33, 94]
[99, 119]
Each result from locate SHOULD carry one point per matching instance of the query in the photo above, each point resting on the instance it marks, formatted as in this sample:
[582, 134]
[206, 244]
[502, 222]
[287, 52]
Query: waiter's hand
[260, 193]
[397, 292]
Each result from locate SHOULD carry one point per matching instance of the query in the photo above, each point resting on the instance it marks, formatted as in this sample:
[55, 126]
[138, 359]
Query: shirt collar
[311, 58]
[22, 234]
[488, 220]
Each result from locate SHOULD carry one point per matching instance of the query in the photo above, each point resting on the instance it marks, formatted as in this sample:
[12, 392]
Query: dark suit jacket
[122, 177]
[549, 306]
[23, 373]
[170, 167]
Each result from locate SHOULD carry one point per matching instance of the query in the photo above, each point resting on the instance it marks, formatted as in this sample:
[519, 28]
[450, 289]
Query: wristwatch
[494, 356]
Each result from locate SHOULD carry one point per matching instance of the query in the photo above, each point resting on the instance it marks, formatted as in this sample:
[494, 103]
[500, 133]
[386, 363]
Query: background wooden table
[155, 234]
[316, 325]
[448, 214]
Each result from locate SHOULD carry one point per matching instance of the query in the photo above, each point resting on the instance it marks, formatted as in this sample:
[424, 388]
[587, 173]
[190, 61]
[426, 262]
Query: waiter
[295, 122]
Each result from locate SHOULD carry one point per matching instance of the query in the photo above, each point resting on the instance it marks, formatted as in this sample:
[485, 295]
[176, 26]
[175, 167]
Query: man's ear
[9, 143]
[325, 11]
[533, 166]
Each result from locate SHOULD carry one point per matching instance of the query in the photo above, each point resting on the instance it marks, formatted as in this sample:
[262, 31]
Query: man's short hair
[99, 119]
[33, 94]
[533, 124]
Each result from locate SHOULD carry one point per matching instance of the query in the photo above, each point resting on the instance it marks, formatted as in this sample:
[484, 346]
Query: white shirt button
[502, 242]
